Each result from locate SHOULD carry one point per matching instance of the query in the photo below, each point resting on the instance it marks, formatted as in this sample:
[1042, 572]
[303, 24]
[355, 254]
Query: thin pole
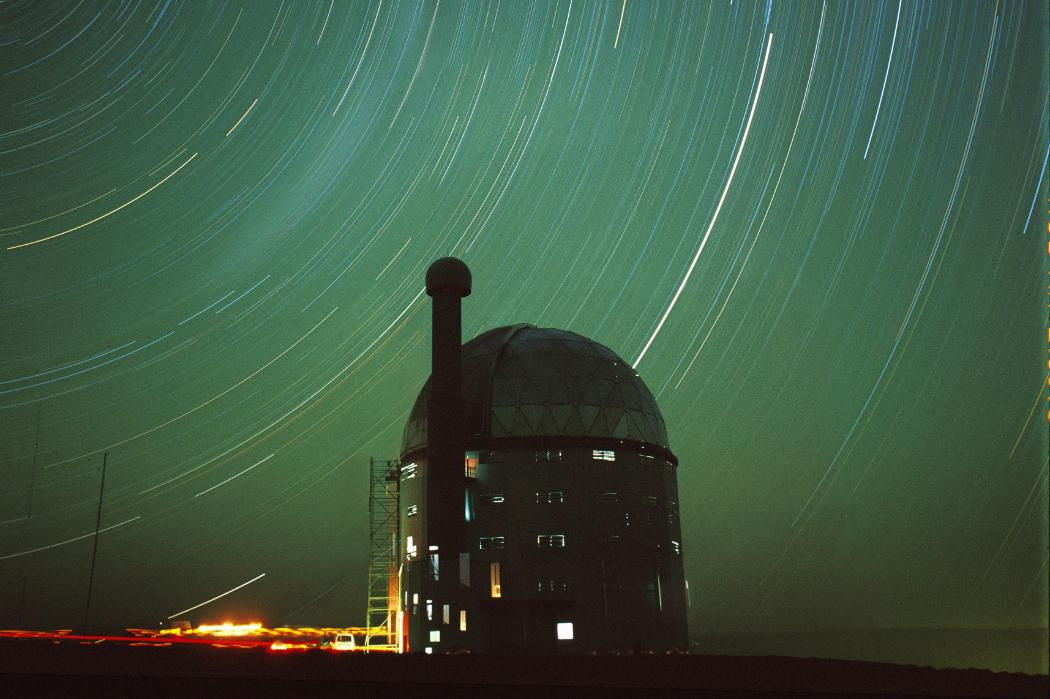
[29, 517]
[94, 550]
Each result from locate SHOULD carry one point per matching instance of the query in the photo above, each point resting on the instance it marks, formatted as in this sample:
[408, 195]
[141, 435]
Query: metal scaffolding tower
[383, 556]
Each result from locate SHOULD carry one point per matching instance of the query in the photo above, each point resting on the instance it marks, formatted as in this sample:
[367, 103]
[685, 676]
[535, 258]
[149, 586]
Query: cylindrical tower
[570, 515]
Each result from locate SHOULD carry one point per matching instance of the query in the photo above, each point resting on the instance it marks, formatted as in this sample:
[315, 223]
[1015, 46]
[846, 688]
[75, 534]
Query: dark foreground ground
[40, 667]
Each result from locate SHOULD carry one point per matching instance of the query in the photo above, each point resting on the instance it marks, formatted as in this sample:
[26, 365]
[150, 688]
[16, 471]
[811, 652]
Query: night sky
[818, 231]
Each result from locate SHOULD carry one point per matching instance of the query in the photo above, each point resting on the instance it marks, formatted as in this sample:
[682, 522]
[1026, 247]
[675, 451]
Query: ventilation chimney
[448, 280]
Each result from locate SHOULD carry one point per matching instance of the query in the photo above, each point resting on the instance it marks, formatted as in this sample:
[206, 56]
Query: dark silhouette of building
[543, 516]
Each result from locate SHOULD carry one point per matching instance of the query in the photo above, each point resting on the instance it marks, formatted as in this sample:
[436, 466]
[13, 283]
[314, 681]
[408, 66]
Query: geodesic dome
[524, 381]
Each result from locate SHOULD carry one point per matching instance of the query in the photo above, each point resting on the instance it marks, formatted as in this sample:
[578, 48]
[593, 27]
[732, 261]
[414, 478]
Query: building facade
[571, 540]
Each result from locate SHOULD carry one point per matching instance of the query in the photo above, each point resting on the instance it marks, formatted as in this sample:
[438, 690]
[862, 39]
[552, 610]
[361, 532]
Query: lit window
[647, 459]
[408, 471]
[435, 566]
[548, 455]
[564, 630]
[676, 547]
[494, 582]
[486, 543]
[410, 548]
[432, 547]
[470, 464]
[554, 541]
[553, 497]
[462, 619]
[603, 455]
[492, 498]
[428, 650]
[446, 613]
[610, 498]
[412, 510]
[430, 610]
[435, 636]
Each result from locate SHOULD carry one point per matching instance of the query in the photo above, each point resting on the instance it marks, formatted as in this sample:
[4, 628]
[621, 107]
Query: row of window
[555, 541]
[556, 497]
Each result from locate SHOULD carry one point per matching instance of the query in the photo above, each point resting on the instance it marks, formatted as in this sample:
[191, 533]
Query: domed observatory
[568, 537]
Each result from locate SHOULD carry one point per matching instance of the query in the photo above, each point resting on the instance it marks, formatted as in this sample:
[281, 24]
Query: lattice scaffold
[383, 554]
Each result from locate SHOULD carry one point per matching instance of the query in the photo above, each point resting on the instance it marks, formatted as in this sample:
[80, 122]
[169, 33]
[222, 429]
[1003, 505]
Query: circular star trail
[817, 230]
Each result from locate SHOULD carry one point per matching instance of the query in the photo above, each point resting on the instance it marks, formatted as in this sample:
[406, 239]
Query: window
[464, 569]
[649, 501]
[609, 498]
[564, 630]
[412, 510]
[410, 548]
[408, 471]
[494, 582]
[492, 498]
[552, 585]
[487, 543]
[435, 636]
[603, 455]
[676, 547]
[430, 610]
[553, 541]
[552, 497]
[446, 613]
[626, 519]
[548, 455]
[647, 459]
[674, 507]
[434, 566]
[462, 619]
[470, 464]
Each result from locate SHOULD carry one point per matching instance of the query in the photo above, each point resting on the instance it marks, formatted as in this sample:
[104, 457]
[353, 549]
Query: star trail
[818, 230]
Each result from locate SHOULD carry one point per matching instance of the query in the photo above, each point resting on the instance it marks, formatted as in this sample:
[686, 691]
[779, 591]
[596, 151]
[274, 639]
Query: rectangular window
[408, 471]
[470, 464]
[552, 497]
[435, 566]
[554, 541]
[647, 459]
[603, 455]
[464, 569]
[410, 548]
[609, 498]
[430, 610]
[492, 498]
[487, 543]
[547, 455]
[462, 619]
[412, 510]
[494, 583]
[446, 613]
[552, 585]
[564, 630]
[676, 547]
[435, 636]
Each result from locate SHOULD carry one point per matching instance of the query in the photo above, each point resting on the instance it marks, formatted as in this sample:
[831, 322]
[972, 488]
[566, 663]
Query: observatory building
[543, 515]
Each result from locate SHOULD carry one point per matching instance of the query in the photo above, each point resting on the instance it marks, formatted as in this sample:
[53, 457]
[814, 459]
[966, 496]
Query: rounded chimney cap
[448, 274]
